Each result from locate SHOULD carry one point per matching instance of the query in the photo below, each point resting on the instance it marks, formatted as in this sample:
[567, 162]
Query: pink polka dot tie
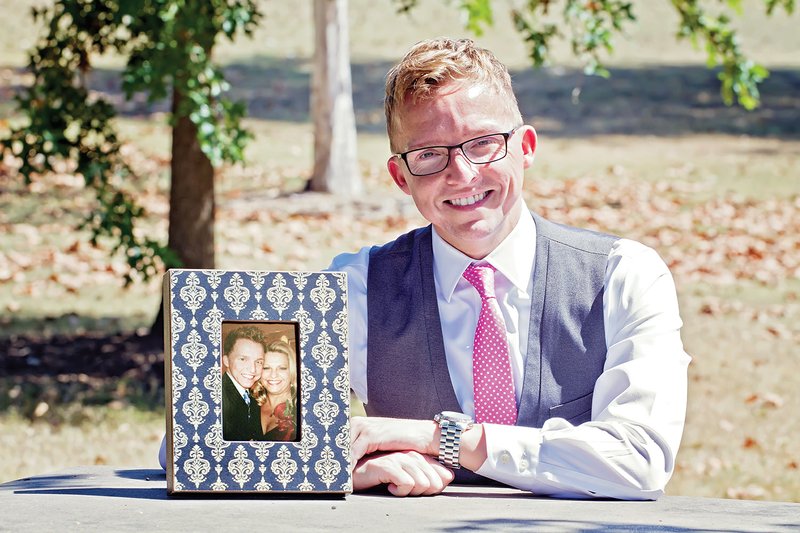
[495, 401]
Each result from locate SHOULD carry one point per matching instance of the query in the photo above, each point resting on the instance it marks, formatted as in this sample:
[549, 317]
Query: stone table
[108, 499]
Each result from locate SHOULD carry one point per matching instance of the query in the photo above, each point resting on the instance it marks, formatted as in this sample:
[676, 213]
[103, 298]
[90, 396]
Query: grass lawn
[651, 154]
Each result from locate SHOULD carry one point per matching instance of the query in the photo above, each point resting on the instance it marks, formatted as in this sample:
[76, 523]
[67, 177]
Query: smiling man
[493, 344]
[243, 356]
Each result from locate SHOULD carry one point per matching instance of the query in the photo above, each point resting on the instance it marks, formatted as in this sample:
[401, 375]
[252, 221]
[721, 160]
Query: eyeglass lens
[434, 159]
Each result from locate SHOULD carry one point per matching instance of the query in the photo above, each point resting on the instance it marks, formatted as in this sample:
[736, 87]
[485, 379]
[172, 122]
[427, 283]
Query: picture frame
[198, 306]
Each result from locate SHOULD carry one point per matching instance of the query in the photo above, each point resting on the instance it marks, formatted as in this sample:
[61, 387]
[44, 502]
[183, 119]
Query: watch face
[455, 417]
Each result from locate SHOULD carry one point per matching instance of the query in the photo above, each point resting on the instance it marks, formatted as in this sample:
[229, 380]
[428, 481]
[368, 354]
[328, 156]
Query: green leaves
[590, 27]
[168, 46]
[739, 76]
[477, 14]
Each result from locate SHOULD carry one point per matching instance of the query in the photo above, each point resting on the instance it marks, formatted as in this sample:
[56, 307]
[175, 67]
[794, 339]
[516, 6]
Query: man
[243, 355]
[563, 344]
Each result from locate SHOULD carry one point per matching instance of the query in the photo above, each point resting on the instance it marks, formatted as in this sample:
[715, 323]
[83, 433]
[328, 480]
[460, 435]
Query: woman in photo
[276, 393]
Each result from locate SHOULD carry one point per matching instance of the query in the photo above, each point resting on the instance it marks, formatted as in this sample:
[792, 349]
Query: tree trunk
[191, 197]
[191, 202]
[335, 162]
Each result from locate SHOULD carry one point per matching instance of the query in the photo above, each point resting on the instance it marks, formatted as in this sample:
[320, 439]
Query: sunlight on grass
[42, 447]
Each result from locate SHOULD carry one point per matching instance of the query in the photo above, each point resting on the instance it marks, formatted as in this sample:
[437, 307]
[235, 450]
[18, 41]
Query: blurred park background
[651, 153]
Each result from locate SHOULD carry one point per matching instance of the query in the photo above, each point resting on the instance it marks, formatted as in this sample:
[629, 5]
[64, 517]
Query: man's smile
[469, 200]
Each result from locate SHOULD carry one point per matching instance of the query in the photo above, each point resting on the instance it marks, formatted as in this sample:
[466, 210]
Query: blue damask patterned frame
[198, 459]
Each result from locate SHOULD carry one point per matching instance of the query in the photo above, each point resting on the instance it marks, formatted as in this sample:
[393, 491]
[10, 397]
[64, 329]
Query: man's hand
[374, 434]
[406, 473]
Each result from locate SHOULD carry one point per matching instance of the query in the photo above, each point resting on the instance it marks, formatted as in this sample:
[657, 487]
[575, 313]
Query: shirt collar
[237, 385]
[513, 258]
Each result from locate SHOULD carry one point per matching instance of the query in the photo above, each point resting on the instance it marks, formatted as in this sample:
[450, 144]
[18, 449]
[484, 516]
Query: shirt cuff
[512, 454]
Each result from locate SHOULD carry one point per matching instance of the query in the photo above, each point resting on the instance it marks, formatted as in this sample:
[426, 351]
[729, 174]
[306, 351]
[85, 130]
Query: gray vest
[407, 374]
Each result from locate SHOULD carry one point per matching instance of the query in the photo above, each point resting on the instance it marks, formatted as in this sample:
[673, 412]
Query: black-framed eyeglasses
[479, 150]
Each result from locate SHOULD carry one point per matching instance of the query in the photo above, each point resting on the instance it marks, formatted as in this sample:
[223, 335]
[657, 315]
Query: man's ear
[225, 362]
[529, 142]
[395, 166]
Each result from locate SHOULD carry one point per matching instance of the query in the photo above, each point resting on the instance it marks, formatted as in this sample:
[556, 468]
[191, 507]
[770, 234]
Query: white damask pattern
[196, 466]
[284, 467]
[211, 325]
[324, 353]
[322, 295]
[328, 466]
[279, 295]
[240, 466]
[192, 293]
[213, 383]
[262, 450]
[306, 324]
[343, 437]
[308, 385]
[195, 408]
[236, 294]
[309, 442]
[257, 279]
[326, 409]
[258, 314]
[213, 278]
[194, 351]
[263, 485]
[178, 325]
[215, 443]
[179, 440]
[340, 327]
[178, 384]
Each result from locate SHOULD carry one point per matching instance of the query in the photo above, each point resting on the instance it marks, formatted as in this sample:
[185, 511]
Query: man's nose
[460, 168]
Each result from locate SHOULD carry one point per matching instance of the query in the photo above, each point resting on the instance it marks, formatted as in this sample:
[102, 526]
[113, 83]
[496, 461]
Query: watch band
[450, 444]
[452, 425]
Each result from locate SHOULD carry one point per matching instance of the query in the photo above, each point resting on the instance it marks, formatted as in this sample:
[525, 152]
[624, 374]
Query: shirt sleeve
[628, 448]
[356, 266]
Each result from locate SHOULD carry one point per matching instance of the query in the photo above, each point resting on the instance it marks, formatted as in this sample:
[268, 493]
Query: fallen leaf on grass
[750, 442]
[779, 331]
[769, 400]
[772, 400]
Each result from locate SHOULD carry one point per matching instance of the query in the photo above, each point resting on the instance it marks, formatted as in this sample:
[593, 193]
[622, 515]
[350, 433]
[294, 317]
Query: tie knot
[482, 278]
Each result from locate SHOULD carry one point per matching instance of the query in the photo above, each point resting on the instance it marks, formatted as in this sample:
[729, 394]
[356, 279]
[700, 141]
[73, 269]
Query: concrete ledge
[109, 499]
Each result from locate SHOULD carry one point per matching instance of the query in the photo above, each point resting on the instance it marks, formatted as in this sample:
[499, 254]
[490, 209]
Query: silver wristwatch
[452, 425]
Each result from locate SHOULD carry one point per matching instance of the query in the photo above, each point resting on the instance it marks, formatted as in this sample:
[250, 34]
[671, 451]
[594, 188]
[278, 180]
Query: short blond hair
[433, 63]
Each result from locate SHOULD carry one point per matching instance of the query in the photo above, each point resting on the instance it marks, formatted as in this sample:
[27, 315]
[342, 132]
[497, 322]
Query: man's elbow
[645, 477]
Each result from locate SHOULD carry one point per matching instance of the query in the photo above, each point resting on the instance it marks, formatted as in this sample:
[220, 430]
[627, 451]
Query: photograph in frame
[232, 336]
[260, 386]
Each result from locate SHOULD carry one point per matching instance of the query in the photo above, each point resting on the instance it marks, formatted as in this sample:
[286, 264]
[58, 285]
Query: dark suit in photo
[239, 421]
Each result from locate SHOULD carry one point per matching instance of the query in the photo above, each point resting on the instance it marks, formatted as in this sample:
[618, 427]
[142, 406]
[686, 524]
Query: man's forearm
[371, 435]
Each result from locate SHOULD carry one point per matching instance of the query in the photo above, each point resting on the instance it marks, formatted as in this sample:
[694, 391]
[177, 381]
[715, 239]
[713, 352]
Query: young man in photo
[243, 356]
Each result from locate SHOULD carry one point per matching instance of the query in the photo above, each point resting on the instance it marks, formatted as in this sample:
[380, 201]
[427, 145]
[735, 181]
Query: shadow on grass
[80, 369]
[651, 100]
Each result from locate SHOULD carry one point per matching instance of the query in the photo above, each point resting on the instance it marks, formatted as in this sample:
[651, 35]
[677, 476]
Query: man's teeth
[469, 200]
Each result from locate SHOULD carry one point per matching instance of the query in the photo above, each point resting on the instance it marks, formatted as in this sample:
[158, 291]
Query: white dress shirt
[628, 448]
